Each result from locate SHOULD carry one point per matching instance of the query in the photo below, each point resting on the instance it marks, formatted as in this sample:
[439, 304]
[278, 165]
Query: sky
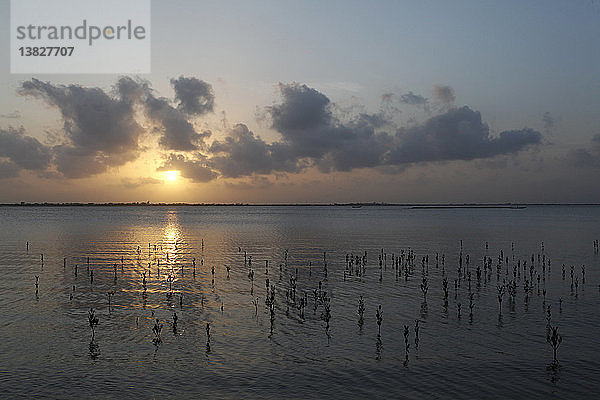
[321, 101]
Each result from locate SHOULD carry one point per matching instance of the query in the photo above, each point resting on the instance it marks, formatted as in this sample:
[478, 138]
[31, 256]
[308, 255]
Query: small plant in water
[471, 305]
[501, 291]
[157, 329]
[445, 288]
[175, 318]
[93, 321]
[406, 345]
[361, 311]
[416, 333]
[379, 315]
[555, 340]
[255, 302]
[110, 295]
[424, 288]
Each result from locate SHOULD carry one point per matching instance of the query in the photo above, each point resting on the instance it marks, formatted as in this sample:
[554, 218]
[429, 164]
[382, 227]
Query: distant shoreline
[353, 205]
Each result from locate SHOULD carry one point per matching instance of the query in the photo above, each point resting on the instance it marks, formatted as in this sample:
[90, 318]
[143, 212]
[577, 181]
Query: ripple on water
[44, 342]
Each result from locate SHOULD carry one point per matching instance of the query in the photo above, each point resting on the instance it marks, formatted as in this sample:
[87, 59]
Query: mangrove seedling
[555, 340]
[501, 291]
[424, 288]
[445, 288]
[416, 333]
[255, 302]
[93, 321]
[110, 295]
[361, 311]
[157, 329]
[379, 315]
[471, 305]
[406, 344]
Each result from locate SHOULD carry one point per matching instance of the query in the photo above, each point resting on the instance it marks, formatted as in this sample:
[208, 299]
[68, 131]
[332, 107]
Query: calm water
[45, 339]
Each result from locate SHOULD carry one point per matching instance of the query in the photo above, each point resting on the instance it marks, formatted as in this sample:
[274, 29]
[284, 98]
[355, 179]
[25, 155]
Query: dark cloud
[172, 124]
[177, 132]
[444, 94]
[193, 95]
[241, 153]
[8, 169]
[253, 183]
[376, 120]
[311, 135]
[413, 99]
[196, 169]
[458, 134]
[77, 162]
[358, 146]
[303, 109]
[307, 126]
[100, 130]
[25, 152]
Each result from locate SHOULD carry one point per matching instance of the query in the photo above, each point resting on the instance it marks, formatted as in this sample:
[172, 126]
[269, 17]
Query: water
[45, 340]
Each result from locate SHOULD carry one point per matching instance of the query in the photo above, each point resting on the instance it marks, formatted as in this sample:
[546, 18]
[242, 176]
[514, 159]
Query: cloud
[312, 135]
[242, 153]
[177, 133]
[309, 129]
[444, 94]
[141, 181]
[22, 152]
[12, 115]
[302, 110]
[172, 124]
[193, 95]
[8, 169]
[100, 130]
[357, 145]
[458, 134]
[547, 120]
[253, 183]
[196, 169]
[586, 157]
[413, 99]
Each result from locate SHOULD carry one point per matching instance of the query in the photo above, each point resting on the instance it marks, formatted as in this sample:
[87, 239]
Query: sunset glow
[170, 176]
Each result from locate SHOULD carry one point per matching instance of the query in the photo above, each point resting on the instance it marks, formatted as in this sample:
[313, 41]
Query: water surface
[496, 353]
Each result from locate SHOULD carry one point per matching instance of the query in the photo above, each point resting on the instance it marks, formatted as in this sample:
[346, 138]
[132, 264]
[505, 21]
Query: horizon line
[360, 204]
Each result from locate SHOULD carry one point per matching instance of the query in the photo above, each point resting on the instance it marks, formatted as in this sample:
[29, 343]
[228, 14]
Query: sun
[171, 176]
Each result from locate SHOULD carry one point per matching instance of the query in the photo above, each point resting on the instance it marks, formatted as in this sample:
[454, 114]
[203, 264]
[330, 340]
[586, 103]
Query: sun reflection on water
[172, 234]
